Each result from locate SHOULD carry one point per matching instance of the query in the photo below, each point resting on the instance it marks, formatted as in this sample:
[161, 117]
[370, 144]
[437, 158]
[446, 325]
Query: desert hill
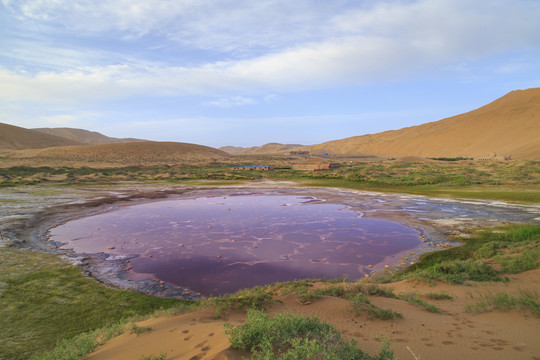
[15, 138]
[120, 154]
[270, 148]
[509, 126]
[84, 136]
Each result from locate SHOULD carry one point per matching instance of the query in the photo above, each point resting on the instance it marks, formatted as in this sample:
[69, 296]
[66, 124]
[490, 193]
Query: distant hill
[270, 148]
[15, 138]
[120, 154]
[509, 125]
[84, 136]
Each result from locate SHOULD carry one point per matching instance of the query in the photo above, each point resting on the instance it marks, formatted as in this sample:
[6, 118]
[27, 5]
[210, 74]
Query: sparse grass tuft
[527, 301]
[161, 356]
[412, 298]
[442, 295]
[136, 329]
[254, 298]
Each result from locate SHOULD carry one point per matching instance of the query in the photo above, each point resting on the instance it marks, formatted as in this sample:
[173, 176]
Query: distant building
[256, 167]
[299, 152]
[316, 167]
[496, 157]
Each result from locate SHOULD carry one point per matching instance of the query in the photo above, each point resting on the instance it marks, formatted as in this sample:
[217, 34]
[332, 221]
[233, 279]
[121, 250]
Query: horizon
[218, 73]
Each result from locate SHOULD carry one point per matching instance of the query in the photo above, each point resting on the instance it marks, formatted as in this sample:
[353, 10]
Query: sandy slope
[454, 334]
[84, 136]
[14, 138]
[508, 126]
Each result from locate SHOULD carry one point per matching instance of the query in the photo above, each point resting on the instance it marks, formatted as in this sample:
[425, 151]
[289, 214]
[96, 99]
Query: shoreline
[112, 272]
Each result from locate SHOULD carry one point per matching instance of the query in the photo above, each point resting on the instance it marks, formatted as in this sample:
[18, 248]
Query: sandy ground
[453, 334]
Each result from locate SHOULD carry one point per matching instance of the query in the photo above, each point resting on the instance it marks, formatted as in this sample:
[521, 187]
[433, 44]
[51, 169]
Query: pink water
[215, 245]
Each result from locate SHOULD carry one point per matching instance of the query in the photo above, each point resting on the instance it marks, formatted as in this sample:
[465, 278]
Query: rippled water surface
[220, 244]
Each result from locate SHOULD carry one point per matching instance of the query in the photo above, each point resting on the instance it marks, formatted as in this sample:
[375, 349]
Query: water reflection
[220, 244]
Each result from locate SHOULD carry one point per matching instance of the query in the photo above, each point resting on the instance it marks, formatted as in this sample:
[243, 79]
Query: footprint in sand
[211, 334]
[197, 357]
[185, 331]
[500, 342]
[201, 344]
[447, 342]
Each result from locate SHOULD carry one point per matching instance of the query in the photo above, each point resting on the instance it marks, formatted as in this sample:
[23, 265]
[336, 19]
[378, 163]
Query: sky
[245, 73]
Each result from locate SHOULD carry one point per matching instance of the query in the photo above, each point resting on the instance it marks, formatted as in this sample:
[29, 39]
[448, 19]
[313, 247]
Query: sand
[509, 126]
[453, 334]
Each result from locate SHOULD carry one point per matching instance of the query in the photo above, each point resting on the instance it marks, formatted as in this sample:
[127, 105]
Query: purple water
[216, 245]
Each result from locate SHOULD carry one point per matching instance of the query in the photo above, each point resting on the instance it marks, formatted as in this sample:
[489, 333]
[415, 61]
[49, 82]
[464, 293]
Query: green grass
[526, 301]
[412, 298]
[473, 260]
[255, 298]
[360, 303]
[136, 329]
[295, 337]
[44, 300]
[514, 181]
[441, 295]
[81, 345]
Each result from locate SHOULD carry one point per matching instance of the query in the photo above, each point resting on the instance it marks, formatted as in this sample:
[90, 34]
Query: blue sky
[244, 73]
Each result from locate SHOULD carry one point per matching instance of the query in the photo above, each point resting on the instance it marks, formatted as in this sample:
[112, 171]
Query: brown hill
[270, 148]
[84, 136]
[509, 125]
[15, 138]
[121, 154]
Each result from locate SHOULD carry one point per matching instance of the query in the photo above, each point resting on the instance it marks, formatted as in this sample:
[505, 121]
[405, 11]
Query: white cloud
[232, 101]
[295, 46]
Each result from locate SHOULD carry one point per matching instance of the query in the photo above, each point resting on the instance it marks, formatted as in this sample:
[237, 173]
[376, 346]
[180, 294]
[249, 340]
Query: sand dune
[84, 136]
[15, 138]
[270, 148]
[507, 126]
[453, 334]
[135, 153]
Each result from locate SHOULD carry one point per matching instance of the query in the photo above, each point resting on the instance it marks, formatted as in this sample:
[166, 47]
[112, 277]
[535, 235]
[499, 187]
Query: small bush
[136, 329]
[295, 337]
[458, 271]
[255, 298]
[442, 295]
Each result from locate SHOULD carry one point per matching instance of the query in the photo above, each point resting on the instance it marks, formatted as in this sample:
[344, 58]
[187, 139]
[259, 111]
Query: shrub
[295, 337]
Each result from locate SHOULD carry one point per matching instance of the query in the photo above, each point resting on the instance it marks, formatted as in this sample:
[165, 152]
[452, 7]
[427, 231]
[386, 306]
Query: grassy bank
[515, 181]
[44, 300]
